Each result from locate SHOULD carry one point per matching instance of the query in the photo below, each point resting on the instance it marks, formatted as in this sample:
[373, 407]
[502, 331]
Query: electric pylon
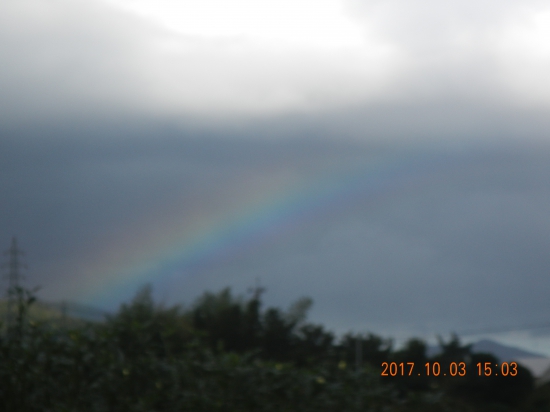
[14, 276]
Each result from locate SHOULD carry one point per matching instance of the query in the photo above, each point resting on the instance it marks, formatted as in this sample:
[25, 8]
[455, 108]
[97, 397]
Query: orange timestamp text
[452, 369]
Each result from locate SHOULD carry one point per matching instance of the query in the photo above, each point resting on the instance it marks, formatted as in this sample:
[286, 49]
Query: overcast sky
[389, 159]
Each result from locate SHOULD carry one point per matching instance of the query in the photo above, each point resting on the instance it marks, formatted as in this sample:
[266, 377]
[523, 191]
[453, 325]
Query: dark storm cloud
[69, 189]
[464, 247]
[466, 250]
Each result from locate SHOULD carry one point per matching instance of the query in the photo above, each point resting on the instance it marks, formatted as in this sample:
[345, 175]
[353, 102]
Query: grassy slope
[41, 312]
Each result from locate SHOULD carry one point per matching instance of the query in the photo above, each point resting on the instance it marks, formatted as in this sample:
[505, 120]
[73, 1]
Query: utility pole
[14, 277]
[358, 353]
[257, 290]
[63, 314]
[358, 363]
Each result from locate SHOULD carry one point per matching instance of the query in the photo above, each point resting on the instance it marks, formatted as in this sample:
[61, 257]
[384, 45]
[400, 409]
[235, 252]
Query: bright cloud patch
[304, 23]
[246, 58]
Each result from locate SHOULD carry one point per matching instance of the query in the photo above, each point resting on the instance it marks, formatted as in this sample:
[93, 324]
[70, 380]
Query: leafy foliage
[224, 354]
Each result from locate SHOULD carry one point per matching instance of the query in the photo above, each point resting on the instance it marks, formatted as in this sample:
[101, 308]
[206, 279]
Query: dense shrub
[223, 354]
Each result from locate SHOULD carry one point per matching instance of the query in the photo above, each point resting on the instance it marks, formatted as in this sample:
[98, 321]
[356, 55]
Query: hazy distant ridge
[504, 353]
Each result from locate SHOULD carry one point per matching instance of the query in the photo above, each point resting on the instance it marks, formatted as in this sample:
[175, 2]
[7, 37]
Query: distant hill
[77, 310]
[38, 311]
[504, 353]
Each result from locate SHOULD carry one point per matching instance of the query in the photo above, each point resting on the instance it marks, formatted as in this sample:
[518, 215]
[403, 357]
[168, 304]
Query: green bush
[150, 358]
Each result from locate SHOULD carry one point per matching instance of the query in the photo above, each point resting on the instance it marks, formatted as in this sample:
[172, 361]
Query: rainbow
[185, 245]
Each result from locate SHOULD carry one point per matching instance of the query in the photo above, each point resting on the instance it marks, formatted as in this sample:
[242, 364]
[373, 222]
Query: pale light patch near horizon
[493, 51]
[523, 51]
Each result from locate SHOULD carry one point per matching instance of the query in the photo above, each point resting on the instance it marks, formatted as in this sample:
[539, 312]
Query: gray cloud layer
[112, 121]
[77, 58]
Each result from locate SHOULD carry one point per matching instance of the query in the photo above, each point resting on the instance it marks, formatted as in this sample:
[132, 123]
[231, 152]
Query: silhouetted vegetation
[230, 354]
